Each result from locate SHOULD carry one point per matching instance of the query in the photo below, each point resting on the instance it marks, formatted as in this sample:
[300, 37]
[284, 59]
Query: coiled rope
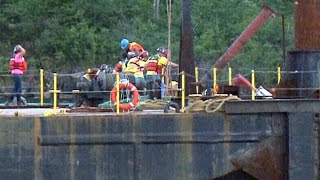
[210, 105]
[152, 104]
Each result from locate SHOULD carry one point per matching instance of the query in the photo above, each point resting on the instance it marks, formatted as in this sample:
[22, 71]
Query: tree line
[70, 36]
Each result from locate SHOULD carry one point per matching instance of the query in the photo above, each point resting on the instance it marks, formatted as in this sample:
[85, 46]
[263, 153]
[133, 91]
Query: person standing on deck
[17, 66]
[154, 72]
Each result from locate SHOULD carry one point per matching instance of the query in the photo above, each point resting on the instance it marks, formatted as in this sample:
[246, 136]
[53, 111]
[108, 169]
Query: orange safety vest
[135, 47]
[152, 64]
[18, 65]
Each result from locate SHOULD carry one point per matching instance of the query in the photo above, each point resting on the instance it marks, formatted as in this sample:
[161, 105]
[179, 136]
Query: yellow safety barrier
[41, 87]
[55, 92]
[253, 93]
[230, 75]
[183, 92]
[214, 80]
[197, 79]
[279, 74]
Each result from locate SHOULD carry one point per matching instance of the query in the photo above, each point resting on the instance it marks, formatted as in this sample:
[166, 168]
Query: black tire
[102, 81]
[110, 81]
[171, 104]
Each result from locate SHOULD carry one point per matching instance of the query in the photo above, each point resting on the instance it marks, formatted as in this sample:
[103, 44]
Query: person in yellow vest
[154, 72]
[135, 67]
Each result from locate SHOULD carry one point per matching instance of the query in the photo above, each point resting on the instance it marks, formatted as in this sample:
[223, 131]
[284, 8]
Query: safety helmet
[124, 43]
[162, 50]
[103, 67]
[144, 55]
[132, 54]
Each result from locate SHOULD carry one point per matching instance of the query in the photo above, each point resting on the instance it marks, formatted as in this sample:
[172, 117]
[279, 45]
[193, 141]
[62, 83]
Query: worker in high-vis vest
[131, 47]
[135, 67]
[128, 48]
[154, 72]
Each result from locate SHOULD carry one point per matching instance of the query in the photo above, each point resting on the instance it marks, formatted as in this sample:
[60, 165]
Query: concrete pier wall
[158, 146]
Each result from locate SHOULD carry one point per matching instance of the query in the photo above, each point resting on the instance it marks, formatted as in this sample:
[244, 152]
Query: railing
[47, 85]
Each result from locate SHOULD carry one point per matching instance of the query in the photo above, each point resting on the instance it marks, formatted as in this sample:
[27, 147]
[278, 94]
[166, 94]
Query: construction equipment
[243, 82]
[244, 37]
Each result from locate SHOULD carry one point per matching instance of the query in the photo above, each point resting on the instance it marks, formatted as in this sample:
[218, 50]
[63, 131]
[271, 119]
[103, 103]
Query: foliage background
[72, 35]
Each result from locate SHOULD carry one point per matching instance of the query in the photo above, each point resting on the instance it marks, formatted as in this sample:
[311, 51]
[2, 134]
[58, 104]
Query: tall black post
[186, 59]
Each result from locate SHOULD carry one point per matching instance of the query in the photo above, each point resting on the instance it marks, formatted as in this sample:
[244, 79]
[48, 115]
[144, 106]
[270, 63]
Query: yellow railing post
[183, 92]
[41, 87]
[279, 74]
[197, 79]
[118, 92]
[214, 80]
[55, 93]
[253, 93]
[230, 76]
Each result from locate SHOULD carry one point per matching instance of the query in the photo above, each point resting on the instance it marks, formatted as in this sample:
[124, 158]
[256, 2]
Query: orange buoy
[135, 98]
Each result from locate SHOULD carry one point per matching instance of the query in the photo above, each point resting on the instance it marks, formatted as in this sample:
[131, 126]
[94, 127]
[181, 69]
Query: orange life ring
[135, 98]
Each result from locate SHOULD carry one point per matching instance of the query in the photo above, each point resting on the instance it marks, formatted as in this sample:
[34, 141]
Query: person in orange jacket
[127, 47]
[133, 46]
[17, 66]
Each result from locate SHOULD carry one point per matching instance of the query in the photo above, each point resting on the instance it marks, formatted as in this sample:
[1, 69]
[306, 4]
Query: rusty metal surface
[265, 160]
[155, 146]
[148, 147]
[307, 25]
[31, 106]
[90, 109]
[275, 105]
[187, 146]
[300, 78]
[302, 145]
